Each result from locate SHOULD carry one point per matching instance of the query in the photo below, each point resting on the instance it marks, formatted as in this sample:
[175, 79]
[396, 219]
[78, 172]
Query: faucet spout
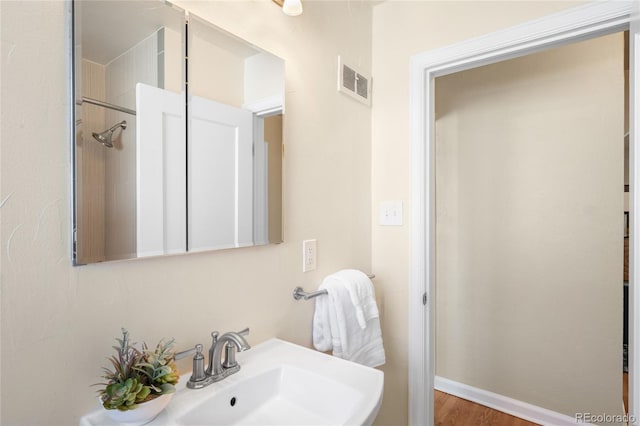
[230, 338]
[240, 342]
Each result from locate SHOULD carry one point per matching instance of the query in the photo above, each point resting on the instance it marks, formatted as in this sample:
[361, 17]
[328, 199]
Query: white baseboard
[505, 404]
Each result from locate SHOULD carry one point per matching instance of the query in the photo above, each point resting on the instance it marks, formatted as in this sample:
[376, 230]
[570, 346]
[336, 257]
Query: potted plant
[141, 383]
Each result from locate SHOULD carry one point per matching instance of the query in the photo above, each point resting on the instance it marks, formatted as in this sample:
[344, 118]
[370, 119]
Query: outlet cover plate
[309, 255]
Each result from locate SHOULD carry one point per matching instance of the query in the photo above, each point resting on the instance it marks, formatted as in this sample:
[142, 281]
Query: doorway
[577, 24]
[529, 232]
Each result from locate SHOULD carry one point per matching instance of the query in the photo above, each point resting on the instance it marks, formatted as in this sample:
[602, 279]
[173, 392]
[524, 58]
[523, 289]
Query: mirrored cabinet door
[121, 49]
[228, 79]
[166, 162]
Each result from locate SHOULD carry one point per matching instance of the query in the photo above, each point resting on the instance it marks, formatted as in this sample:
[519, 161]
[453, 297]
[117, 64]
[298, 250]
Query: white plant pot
[143, 413]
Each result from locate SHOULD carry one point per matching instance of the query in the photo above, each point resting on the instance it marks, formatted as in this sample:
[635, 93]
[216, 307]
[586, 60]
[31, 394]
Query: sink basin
[282, 396]
[279, 384]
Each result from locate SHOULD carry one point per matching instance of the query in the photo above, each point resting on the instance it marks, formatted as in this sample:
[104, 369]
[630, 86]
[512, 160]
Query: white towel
[347, 319]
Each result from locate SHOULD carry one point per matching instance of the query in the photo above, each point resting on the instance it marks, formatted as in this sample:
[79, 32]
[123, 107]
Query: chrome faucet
[217, 369]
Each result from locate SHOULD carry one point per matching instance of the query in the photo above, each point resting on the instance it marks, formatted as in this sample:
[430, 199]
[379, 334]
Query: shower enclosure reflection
[132, 156]
[117, 45]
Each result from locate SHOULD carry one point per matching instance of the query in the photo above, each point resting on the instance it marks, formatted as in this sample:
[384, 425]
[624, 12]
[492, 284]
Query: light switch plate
[309, 255]
[391, 213]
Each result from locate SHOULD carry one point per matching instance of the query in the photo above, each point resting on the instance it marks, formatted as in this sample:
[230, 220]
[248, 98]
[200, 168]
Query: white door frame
[576, 24]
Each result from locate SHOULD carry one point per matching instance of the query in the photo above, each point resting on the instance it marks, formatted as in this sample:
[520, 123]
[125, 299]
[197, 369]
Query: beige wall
[529, 203]
[273, 135]
[400, 30]
[172, 54]
[214, 72]
[58, 322]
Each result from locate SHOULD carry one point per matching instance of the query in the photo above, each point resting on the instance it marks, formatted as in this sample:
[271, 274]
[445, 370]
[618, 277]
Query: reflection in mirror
[235, 97]
[273, 162]
[118, 44]
[140, 187]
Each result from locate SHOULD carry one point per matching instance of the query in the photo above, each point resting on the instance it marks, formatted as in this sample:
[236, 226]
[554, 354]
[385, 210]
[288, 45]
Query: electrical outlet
[309, 255]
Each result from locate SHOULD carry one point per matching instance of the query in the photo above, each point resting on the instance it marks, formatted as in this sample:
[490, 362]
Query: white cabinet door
[161, 172]
[220, 176]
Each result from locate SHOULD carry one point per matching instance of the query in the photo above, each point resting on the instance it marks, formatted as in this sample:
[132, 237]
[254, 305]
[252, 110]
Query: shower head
[105, 137]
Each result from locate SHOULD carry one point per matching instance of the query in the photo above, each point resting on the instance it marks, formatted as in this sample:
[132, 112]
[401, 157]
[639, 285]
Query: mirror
[166, 161]
[235, 98]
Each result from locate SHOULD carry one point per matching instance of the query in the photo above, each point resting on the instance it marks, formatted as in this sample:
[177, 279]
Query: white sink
[282, 396]
[279, 384]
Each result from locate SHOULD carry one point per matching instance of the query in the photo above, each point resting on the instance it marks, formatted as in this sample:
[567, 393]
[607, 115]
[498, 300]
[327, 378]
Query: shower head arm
[122, 124]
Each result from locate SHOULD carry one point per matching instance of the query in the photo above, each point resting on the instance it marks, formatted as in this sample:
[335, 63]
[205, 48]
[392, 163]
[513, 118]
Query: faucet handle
[198, 365]
[184, 354]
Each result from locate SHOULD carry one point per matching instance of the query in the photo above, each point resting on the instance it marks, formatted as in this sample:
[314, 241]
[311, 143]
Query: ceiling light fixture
[290, 7]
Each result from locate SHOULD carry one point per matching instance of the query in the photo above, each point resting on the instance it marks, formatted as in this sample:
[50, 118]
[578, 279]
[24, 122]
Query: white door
[161, 172]
[220, 176]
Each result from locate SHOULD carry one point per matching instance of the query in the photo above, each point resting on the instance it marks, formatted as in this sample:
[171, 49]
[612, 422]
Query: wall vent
[354, 83]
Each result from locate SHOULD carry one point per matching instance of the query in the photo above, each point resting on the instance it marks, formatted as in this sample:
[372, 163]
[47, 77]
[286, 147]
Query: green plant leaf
[167, 388]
